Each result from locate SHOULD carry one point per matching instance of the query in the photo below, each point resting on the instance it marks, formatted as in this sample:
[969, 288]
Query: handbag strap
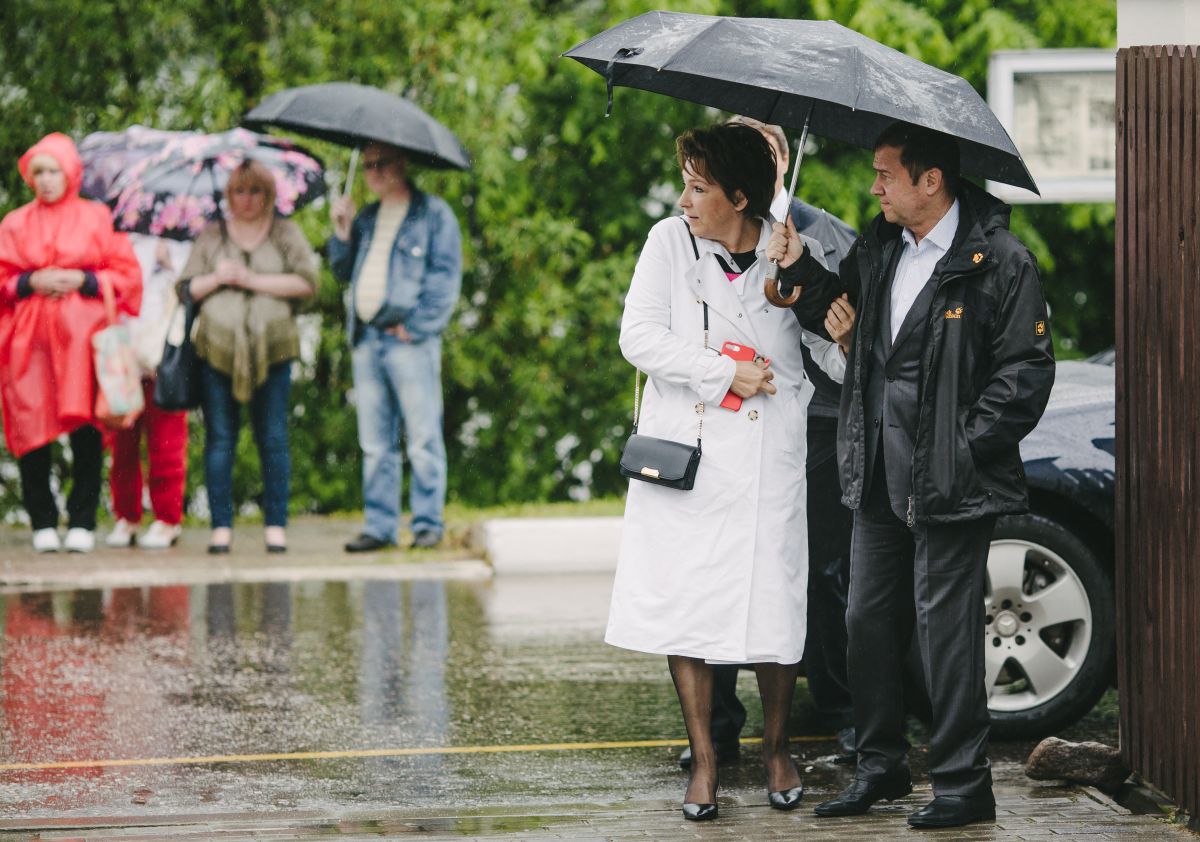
[110, 303]
[637, 372]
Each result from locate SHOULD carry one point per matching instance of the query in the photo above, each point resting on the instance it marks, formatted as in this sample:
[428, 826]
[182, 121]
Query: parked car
[1049, 628]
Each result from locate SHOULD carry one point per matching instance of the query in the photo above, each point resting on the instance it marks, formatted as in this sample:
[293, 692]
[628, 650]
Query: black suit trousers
[931, 580]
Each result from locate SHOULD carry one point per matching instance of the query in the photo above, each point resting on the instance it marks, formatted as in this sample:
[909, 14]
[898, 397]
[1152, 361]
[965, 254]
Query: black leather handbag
[662, 461]
[177, 380]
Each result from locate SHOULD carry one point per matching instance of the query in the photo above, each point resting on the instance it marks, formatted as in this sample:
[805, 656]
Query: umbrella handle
[773, 289]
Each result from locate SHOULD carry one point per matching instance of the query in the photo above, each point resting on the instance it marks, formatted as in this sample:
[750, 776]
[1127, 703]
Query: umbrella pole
[349, 183]
[772, 288]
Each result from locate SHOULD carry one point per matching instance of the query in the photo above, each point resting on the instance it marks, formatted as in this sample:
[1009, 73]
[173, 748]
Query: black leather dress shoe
[857, 798]
[367, 544]
[955, 810]
[726, 753]
[218, 549]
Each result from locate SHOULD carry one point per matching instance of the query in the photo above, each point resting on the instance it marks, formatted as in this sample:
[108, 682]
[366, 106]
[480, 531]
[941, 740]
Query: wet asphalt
[327, 697]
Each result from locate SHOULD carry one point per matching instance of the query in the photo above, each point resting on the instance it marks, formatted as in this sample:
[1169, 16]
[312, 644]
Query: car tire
[1071, 660]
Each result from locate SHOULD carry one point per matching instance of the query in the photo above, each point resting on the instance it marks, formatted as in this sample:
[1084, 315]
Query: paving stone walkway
[1038, 812]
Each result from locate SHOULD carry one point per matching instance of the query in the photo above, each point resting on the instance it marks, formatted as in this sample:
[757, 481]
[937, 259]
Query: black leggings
[87, 450]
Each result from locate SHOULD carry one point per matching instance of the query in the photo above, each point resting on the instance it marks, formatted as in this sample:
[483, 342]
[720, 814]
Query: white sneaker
[46, 541]
[80, 540]
[123, 534]
[160, 536]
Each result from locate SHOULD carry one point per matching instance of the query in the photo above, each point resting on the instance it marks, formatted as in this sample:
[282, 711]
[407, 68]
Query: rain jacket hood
[62, 149]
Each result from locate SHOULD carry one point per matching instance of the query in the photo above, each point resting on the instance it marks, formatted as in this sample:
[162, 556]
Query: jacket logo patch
[977, 257]
[1040, 328]
[956, 313]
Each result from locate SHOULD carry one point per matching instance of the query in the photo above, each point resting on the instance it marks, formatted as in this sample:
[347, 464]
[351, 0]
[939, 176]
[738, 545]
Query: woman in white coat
[718, 574]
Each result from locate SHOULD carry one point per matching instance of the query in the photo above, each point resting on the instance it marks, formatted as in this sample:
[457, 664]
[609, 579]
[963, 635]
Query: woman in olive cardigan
[249, 272]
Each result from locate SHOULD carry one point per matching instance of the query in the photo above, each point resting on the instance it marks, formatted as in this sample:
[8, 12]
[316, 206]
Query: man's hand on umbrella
[784, 247]
[342, 214]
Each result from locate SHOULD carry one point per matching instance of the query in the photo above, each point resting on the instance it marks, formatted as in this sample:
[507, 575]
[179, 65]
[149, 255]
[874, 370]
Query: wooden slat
[1158, 415]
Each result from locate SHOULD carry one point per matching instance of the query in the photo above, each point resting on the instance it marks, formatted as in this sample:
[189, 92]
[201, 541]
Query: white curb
[552, 545]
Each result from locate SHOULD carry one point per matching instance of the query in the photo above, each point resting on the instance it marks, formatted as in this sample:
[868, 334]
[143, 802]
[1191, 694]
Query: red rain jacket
[47, 377]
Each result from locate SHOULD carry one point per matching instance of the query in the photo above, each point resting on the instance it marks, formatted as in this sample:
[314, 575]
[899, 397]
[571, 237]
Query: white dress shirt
[917, 262]
[779, 206]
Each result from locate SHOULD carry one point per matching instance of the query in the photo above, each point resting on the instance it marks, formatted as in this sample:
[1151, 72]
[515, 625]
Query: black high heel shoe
[786, 799]
[701, 812]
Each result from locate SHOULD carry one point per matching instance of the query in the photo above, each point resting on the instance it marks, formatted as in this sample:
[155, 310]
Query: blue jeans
[222, 421]
[398, 388]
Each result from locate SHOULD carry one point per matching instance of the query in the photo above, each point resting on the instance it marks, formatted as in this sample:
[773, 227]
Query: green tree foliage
[554, 212]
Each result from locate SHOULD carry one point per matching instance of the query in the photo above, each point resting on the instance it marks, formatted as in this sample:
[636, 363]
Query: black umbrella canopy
[353, 115]
[775, 70]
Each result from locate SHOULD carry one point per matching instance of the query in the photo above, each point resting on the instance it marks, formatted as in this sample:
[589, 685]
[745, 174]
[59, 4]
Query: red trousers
[166, 450]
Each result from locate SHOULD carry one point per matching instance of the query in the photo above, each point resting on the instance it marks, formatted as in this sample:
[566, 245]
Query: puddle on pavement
[230, 670]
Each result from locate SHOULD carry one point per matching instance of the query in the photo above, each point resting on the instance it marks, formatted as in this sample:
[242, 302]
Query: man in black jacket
[950, 366]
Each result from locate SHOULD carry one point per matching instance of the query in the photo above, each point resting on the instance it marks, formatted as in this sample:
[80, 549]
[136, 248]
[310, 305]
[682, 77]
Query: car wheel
[1048, 628]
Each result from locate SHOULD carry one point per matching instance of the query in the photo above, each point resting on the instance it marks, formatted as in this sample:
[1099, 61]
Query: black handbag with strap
[177, 380]
[662, 461]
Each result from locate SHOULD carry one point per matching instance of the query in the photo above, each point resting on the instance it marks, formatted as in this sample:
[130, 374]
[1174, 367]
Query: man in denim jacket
[403, 258]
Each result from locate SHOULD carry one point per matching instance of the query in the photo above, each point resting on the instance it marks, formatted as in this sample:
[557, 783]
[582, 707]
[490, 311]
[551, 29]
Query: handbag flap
[658, 458]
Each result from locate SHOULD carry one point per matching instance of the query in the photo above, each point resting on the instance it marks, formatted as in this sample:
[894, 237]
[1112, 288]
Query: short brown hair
[737, 158]
[251, 173]
[923, 149]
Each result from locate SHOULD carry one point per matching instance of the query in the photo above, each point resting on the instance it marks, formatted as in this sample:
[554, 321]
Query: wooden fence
[1158, 416]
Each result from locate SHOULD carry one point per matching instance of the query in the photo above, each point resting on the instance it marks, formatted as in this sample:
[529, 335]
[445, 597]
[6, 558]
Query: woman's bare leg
[776, 684]
[694, 685]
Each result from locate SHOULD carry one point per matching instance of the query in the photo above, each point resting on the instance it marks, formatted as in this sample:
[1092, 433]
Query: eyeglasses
[379, 164]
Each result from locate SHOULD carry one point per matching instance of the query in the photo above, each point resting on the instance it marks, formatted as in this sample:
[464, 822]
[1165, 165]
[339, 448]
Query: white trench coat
[719, 572]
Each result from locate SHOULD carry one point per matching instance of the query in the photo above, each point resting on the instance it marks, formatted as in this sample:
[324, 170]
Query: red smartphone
[742, 353]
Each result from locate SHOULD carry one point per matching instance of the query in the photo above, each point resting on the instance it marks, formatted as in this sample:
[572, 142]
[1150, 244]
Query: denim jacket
[424, 272]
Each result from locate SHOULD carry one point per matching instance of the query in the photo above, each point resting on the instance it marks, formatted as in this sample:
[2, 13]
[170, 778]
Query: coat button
[753, 416]
[417, 251]
[876, 422]
[739, 315]
[891, 379]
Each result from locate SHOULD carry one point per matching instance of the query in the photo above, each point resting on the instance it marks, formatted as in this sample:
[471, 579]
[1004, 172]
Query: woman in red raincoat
[55, 252]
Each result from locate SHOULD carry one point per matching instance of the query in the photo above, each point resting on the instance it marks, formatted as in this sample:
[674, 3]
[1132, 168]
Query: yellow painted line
[356, 753]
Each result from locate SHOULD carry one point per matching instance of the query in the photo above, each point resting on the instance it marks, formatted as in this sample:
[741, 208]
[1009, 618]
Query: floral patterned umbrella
[175, 192]
[109, 155]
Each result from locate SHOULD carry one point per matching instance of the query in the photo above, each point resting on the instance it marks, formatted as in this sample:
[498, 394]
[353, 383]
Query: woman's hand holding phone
[752, 377]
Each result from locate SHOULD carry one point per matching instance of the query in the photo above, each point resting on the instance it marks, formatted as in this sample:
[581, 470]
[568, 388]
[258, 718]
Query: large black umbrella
[354, 115]
[845, 85]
